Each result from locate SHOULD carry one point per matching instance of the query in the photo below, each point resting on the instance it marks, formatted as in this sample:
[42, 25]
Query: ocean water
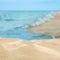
[12, 24]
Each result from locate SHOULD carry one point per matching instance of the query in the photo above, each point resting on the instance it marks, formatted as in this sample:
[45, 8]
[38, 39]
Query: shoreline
[20, 49]
[51, 26]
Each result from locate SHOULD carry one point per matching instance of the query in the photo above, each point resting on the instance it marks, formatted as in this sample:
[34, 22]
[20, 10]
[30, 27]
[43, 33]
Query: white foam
[47, 18]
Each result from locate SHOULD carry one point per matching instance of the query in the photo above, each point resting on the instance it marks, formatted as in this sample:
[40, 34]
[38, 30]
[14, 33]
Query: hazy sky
[29, 5]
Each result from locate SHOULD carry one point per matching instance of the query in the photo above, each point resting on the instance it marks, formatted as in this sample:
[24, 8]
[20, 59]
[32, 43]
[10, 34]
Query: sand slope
[52, 26]
[17, 49]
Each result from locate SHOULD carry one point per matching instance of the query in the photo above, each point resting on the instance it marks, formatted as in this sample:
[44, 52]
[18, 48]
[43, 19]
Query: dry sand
[17, 49]
[51, 26]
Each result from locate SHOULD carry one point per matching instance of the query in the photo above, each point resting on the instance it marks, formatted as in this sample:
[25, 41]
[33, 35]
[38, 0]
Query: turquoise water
[12, 24]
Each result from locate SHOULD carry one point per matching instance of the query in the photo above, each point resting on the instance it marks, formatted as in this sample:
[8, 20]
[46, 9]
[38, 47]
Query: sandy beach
[17, 49]
[29, 29]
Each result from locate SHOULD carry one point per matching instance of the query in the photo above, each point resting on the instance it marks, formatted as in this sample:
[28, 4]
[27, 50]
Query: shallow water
[12, 24]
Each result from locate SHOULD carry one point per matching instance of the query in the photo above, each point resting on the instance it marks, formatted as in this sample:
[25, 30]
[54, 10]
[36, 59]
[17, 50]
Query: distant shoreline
[50, 27]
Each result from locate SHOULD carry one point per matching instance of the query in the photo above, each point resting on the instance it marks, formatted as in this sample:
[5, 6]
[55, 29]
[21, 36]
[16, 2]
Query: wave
[13, 25]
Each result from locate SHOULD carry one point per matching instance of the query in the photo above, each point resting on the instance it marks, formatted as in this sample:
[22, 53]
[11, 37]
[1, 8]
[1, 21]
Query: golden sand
[17, 49]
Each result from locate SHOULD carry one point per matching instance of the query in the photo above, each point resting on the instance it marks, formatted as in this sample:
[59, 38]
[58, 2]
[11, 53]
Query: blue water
[12, 23]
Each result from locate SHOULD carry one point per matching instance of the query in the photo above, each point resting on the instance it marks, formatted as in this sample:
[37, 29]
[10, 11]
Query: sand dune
[51, 26]
[17, 49]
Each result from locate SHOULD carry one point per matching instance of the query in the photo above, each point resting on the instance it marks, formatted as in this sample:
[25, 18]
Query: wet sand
[17, 49]
[51, 26]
